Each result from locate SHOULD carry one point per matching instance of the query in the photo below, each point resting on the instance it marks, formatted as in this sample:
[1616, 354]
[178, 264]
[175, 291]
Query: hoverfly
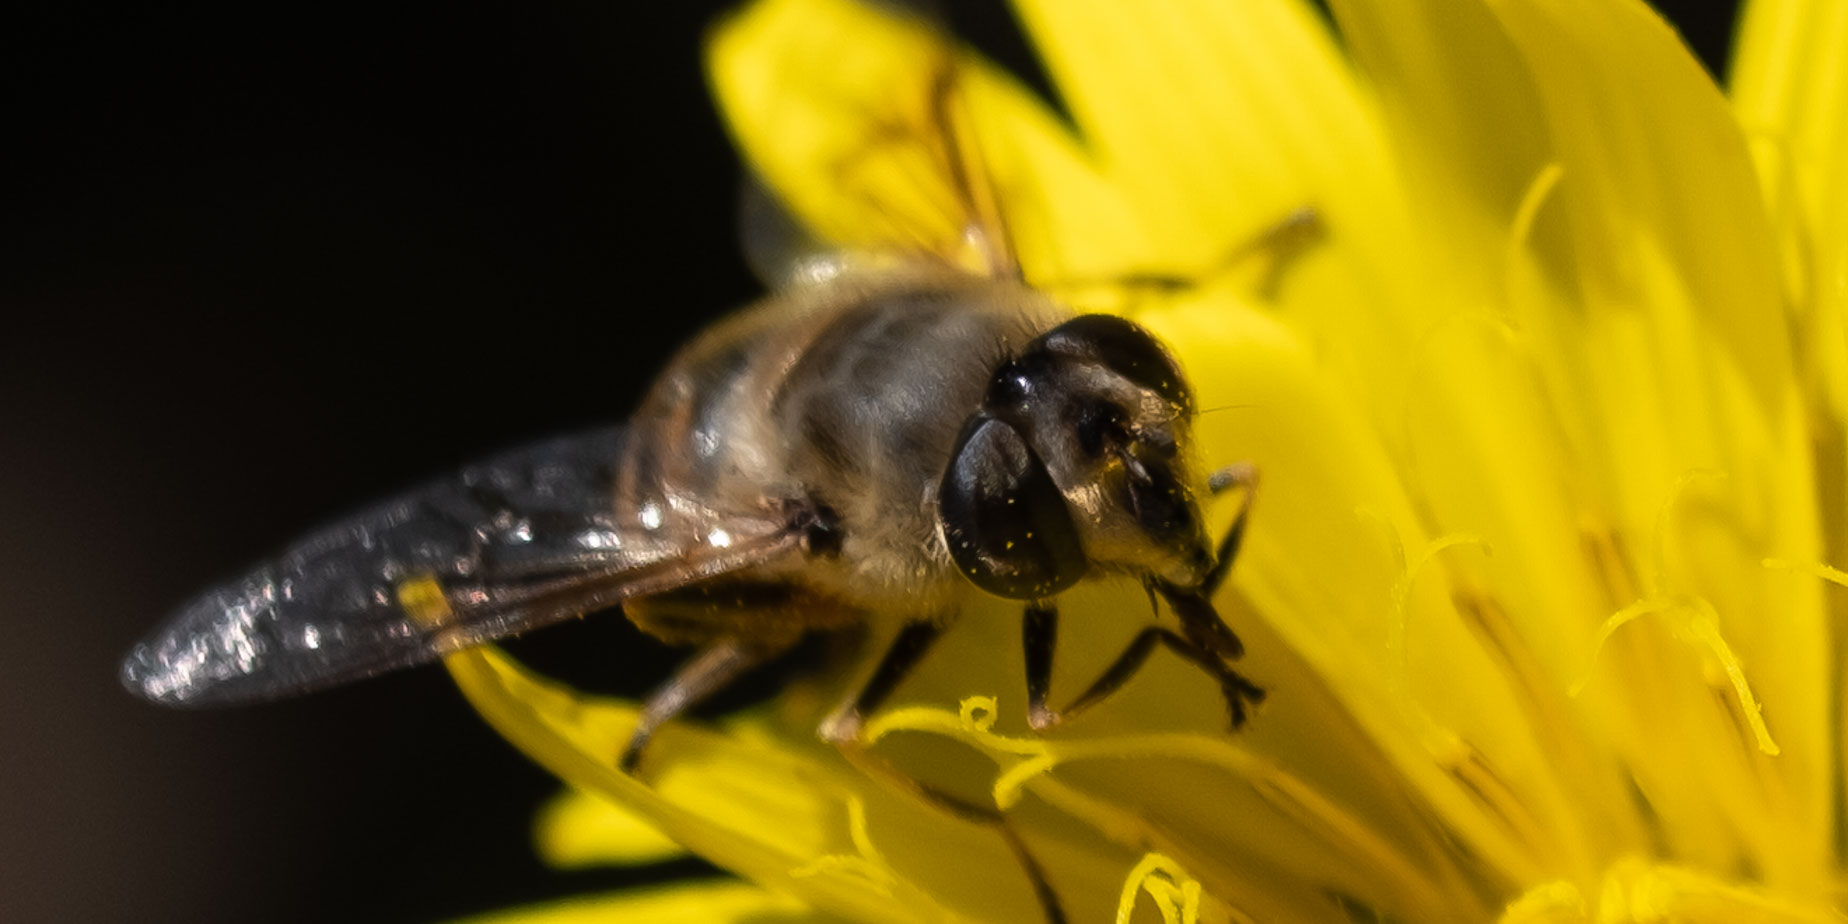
[878, 444]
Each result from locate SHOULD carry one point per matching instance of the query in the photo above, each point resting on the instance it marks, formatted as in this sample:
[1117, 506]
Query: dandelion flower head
[1544, 576]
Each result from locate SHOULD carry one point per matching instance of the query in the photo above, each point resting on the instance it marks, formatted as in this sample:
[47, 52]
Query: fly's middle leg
[1243, 478]
[842, 729]
[709, 671]
[843, 726]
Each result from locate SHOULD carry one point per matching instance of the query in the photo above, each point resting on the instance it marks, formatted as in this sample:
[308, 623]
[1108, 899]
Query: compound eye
[1008, 528]
[1123, 347]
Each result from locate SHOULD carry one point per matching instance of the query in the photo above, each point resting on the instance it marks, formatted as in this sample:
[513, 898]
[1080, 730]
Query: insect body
[874, 444]
[879, 445]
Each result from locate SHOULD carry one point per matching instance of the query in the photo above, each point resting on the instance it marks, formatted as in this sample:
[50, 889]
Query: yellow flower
[1553, 426]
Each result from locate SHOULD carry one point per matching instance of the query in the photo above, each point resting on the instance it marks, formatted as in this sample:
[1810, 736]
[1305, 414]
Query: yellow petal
[1637, 892]
[1790, 88]
[869, 125]
[1218, 120]
[578, 828]
[1529, 426]
[715, 902]
[1675, 265]
[786, 814]
[762, 824]
[1321, 566]
[1653, 157]
[831, 104]
[1214, 118]
[1442, 105]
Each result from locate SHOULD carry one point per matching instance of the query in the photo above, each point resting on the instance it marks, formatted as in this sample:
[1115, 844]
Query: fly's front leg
[842, 729]
[1204, 641]
[1205, 631]
[1040, 638]
[914, 641]
[1040, 635]
[1210, 644]
[1241, 477]
[709, 671]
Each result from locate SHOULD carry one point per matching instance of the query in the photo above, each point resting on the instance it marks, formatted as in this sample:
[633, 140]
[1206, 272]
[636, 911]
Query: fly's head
[1077, 460]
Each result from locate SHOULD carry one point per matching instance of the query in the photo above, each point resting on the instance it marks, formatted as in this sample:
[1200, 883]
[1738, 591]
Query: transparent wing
[780, 251]
[520, 541]
[888, 161]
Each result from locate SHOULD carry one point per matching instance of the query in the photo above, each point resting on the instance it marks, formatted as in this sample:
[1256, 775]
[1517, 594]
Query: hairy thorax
[847, 400]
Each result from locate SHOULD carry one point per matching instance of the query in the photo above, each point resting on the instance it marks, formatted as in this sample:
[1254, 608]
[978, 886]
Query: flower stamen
[1610, 564]
[972, 725]
[1469, 767]
[1176, 894]
[867, 864]
[1520, 231]
[1666, 513]
[1291, 796]
[1698, 626]
[1396, 644]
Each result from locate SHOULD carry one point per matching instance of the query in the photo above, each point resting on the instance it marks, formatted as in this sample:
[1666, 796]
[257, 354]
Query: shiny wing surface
[886, 160]
[520, 541]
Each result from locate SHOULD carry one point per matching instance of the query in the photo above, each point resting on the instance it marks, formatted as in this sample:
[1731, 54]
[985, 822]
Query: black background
[259, 262]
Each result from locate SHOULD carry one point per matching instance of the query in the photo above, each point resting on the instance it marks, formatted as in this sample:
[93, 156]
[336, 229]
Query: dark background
[245, 251]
